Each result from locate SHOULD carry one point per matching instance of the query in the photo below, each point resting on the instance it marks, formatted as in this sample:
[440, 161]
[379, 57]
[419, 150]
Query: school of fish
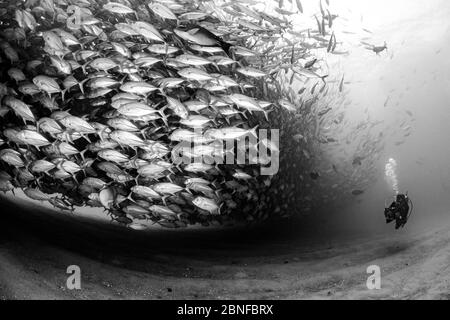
[96, 97]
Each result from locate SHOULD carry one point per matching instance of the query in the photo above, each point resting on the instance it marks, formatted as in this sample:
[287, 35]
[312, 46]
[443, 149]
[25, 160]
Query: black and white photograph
[224, 154]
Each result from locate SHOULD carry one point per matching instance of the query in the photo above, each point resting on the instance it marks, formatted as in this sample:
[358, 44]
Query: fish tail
[86, 138]
[214, 108]
[123, 79]
[253, 130]
[38, 181]
[74, 177]
[217, 192]
[266, 114]
[130, 198]
[142, 131]
[163, 116]
[100, 134]
[82, 154]
[63, 92]
[241, 87]
[81, 85]
[83, 67]
[161, 111]
[217, 168]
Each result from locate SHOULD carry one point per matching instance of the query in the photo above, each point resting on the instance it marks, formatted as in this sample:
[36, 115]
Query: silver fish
[47, 84]
[162, 11]
[113, 156]
[195, 74]
[148, 31]
[207, 204]
[126, 138]
[77, 124]
[32, 138]
[166, 188]
[138, 87]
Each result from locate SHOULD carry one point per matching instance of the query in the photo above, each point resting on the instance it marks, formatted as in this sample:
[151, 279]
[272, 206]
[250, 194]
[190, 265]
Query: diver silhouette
[399, 210]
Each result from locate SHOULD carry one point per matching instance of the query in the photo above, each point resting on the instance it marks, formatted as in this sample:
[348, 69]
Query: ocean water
[402, 91]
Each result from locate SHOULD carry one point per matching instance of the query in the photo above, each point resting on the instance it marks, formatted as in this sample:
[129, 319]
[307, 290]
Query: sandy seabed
[280, 262]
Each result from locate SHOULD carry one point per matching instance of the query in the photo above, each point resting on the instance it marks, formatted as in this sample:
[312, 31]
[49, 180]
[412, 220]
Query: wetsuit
[398, 211]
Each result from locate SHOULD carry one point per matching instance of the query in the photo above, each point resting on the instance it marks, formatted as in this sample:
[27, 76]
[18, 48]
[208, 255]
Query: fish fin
[130, 198]
[214, 183]
[81, 85]
[161, 111]
[164, 118]
[86, 138]
[266, 114]
[253, 131]
[74, 177]
[82, 154]
[214, 108]
[63, 92]
[83, 66]
[38, 182]
[241, 86]
[143, 131]
[100, 135]
[217, 168]
[123, 79]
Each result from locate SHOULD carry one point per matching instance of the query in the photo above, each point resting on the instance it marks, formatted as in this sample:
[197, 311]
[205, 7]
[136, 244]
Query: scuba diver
[399, 210]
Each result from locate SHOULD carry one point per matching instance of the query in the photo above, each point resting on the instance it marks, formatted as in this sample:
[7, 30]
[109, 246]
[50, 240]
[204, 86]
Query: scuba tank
[401, 201]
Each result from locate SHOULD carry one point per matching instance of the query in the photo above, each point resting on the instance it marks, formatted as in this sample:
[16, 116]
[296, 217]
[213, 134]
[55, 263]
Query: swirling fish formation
[97, 96]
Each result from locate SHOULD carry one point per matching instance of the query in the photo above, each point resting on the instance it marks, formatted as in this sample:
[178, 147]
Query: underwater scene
[252, 144]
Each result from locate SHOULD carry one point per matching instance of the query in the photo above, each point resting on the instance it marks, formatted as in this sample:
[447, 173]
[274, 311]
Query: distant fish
[299, 6]
[379, 49]
[341, 84]
[357, 161]
[357, 192]
[314, 175]
[309, 64]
